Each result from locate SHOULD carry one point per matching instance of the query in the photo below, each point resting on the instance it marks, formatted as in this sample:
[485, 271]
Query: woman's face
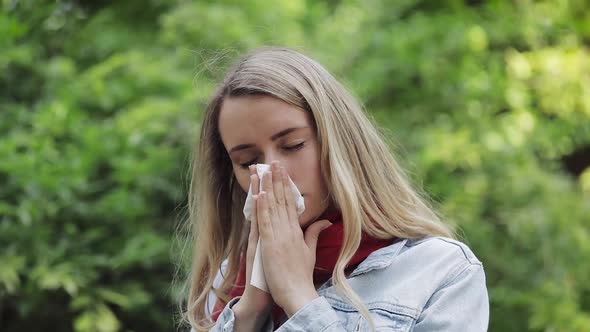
[260, 129]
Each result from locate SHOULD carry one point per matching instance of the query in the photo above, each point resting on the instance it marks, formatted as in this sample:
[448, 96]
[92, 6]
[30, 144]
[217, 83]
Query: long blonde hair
[365, 182]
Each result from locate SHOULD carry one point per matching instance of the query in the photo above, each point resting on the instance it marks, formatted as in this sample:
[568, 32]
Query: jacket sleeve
[316, 316]
[460, 304]
[226, 320]
[306, 319]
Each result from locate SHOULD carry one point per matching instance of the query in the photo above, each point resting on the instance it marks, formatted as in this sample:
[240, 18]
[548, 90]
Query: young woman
[368, 252]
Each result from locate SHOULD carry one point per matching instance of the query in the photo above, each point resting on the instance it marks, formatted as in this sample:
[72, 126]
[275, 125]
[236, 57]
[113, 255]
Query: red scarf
[327, 251]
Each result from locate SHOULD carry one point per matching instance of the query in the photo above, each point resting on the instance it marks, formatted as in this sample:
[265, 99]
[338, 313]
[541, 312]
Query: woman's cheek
[243, 179]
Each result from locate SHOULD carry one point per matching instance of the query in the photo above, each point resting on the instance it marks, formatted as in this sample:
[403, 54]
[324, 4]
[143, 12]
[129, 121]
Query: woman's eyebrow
[273, 138]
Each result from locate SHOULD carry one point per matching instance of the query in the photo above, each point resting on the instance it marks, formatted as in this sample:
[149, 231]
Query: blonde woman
[367, 253]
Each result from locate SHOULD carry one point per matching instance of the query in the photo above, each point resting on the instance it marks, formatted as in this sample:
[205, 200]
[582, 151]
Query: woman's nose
[281, 162]
[270, 160]
[269, 157]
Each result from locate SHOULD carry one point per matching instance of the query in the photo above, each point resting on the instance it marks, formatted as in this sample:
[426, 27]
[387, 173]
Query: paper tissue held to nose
[257, 278]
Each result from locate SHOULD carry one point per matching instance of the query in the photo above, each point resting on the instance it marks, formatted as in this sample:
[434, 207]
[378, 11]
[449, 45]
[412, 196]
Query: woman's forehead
[253, 117]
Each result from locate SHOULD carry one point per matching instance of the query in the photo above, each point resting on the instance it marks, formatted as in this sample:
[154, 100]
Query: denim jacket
[426, 284]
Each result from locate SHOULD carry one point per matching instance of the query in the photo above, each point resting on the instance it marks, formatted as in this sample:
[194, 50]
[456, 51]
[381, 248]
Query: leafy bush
[488, 104]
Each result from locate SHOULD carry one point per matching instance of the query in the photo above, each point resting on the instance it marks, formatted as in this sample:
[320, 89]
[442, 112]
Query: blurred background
[487, 104]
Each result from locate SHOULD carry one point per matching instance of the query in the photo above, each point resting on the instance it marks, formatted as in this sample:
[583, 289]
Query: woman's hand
[288, 255]
[254, 302]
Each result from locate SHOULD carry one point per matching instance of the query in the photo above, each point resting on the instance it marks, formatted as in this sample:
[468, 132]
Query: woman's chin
[305, 220]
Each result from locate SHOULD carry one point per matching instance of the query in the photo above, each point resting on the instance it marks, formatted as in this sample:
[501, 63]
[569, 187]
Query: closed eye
[288, 148]
[294, 147]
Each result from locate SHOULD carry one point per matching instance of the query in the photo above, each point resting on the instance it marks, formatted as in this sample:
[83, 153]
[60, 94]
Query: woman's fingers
[267, 187]
[254, 180]
[255, 186]
[279, 192]
[272, 202]
[253, 216]
[252, 239]
[289, 199]
[277, 184]
[254, 219]
[265, 226]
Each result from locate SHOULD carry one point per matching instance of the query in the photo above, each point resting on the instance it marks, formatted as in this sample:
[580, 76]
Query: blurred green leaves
[486, 103]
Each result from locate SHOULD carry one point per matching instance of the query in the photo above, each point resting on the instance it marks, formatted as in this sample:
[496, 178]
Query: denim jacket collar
[378, 259]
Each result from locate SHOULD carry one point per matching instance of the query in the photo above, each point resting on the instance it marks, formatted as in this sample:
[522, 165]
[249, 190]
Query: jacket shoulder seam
[467, 254]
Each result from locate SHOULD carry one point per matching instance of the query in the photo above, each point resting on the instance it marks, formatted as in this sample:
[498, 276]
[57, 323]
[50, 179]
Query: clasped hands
[288, 254]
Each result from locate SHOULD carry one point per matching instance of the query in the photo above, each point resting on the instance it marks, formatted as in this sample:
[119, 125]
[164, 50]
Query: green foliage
[99, 109]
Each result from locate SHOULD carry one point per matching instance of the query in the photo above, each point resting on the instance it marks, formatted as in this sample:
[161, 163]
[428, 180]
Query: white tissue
[261, 168]
[257, 279]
